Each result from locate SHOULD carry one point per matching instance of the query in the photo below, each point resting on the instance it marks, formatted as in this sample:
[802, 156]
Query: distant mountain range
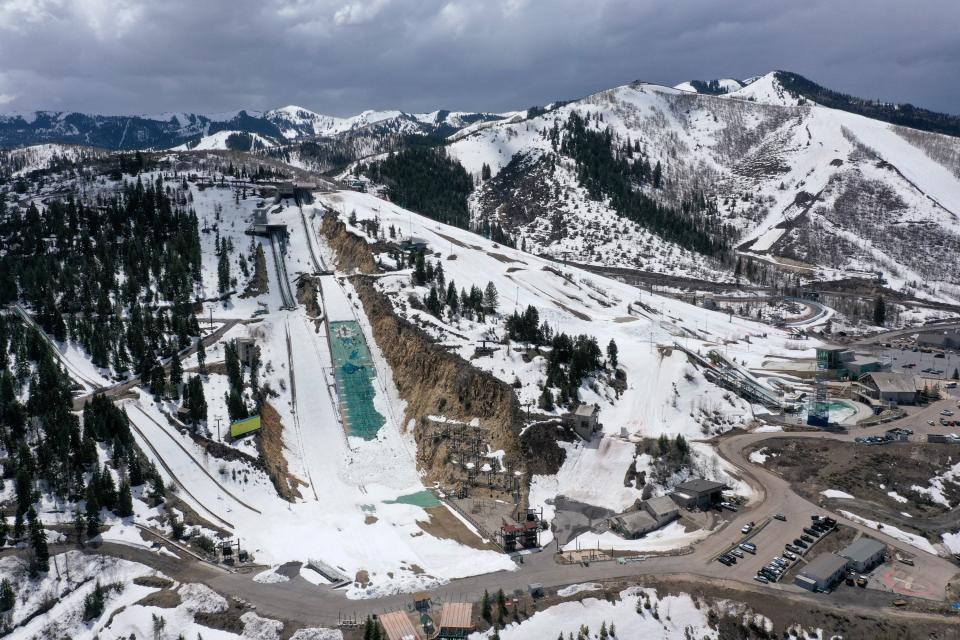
[188, 130]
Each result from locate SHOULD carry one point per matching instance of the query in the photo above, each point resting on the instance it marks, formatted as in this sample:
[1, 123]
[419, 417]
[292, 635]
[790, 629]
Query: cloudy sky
[343, 56]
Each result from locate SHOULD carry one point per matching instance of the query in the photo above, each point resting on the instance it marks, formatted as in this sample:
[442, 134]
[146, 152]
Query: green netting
[353, 369]
[424, 499]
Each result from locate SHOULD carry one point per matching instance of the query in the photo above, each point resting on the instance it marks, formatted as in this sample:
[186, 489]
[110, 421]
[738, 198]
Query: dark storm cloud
[340, 56]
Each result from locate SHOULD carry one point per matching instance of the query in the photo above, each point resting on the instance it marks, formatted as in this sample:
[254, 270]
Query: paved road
[122, 388]
[303, 602]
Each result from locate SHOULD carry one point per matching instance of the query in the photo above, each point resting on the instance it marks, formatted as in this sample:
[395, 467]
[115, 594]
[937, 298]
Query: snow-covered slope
[774, 165]
[234, 140]
[713, 87]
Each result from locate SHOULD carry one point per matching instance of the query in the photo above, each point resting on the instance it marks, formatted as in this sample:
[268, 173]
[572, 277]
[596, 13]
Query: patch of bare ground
[270, 444]
[164, 599]
[443, 524]
[308, 294]
[190, 517]
[153, 581]
[227, 620]
[260, 283]
[370, 519]
[352, 252]
[871, 474]
[362, 578]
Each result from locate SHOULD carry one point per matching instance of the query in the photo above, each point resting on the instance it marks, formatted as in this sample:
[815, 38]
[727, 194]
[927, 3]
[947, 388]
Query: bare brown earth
[308, 294]
[260, 283]
[868, 473]
[352, 253]
[270, 444]
[443, 524]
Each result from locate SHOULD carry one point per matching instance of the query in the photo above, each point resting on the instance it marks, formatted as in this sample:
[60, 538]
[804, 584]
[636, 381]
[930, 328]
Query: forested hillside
[427, 181]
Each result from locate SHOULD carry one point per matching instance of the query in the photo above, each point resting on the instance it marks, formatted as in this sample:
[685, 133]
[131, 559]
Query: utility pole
[218, 429]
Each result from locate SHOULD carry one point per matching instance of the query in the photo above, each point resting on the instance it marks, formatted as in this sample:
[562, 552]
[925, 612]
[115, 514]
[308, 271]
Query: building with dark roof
[863, 554]
[822, 573]
[698, 493]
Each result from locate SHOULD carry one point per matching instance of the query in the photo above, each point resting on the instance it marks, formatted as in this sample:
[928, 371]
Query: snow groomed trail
[182, 466]
[289, 301]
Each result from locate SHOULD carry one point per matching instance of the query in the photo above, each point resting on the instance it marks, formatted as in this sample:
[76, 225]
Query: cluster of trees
[428, 181]
[47, 448]
[473, 304]
[98, 274]
[236, 405]
[495, 232]
[569, 359]
[614, 171]
[905, 115]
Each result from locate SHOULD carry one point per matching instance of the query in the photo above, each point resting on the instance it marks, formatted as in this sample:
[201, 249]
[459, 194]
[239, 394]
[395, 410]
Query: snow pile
[667, 538]
[836, 493]
[199, 598]
[270, 576]
[574, 589]
[935, 490]
[910, 538]
[637, 614]
[257, 628]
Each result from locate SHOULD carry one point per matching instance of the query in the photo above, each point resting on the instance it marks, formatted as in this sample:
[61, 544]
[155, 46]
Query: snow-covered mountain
[805, 185]
[167, 130]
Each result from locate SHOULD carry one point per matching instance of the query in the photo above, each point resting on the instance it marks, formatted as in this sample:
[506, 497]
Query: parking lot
[770, 538]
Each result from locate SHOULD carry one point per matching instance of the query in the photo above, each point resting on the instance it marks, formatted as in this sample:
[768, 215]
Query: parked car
[724, 560]
[780, 516]
[736, 552]
[810, 531]
[749, 547]
[807, 539]
[790, 556]
[799, 543]
[795, 549]
[862, 581]
[761, 579]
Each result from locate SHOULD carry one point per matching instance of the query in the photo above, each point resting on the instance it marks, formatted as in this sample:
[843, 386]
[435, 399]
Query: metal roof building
[887, 386]
[397, 626]
[456, 620]
[864, 554]
[822, 572]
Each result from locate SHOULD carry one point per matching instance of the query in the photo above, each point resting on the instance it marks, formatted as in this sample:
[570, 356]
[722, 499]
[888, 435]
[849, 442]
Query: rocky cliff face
[435, 382]
[352, 253]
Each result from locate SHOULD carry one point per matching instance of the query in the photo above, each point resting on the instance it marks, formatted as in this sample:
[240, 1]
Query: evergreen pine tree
[491, 299]
[612, 353]
[8, 597]
[879, 311]
[124, 501]
[38, 541]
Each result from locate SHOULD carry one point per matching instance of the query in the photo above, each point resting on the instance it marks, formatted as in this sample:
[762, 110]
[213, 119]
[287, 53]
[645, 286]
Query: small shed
[584, 420]
[456, 620]
[421, 601]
